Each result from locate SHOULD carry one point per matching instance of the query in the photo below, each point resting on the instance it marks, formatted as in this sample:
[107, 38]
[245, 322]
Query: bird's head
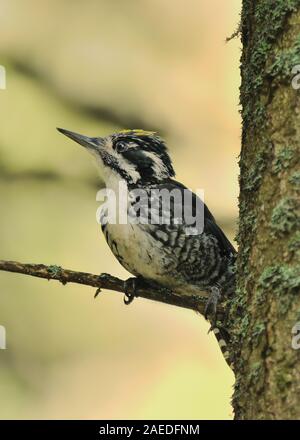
[136, 156]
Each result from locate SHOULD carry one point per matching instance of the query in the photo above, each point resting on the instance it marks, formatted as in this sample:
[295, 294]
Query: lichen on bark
[267, 301]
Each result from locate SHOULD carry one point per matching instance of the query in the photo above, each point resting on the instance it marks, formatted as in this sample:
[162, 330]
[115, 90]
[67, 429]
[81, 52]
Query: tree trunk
[267, 304]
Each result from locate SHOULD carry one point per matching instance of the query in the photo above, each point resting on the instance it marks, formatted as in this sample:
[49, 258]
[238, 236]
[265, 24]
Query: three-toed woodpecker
[162, 254]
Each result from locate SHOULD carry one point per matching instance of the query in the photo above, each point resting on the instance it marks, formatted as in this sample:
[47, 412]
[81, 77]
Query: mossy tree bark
[267, 304]
[266, 307]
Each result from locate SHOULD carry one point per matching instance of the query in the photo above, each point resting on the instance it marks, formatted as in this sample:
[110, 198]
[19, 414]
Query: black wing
[210, 225]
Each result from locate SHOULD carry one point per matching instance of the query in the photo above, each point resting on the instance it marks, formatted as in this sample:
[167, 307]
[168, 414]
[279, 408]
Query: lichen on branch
[105, 281]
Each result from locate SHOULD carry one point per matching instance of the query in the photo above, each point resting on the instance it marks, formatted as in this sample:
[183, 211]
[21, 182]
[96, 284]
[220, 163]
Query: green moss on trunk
[267, 302]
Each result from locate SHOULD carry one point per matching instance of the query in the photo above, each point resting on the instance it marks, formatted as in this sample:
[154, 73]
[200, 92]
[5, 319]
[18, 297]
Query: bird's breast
[136, 250]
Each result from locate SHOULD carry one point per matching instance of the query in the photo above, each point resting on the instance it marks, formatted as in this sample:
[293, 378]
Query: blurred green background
[95, 67]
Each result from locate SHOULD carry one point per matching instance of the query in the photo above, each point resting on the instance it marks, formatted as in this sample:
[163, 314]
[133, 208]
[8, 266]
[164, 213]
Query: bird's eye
[121, 146]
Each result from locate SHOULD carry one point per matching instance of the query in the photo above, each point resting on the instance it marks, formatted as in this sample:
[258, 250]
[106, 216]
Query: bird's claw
[211, 328]
[211, 306]
[130, 290]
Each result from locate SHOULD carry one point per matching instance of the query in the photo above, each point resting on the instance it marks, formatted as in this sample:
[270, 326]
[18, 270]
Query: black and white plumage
[163, 254]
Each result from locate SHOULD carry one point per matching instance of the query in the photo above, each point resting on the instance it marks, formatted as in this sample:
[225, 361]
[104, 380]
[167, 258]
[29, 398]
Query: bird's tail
[223, 339]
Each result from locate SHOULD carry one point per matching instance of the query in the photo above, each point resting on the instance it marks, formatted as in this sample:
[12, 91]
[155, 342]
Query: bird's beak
[85, 141]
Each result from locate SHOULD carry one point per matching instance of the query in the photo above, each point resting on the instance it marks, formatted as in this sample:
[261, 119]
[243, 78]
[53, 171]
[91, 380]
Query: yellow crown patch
[138, 132]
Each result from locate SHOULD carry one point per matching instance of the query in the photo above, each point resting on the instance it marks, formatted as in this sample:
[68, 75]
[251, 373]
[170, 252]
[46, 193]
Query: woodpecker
[162, 254]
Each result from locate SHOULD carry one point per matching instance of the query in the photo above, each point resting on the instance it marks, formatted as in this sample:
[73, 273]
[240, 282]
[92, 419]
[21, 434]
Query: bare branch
[103, 281]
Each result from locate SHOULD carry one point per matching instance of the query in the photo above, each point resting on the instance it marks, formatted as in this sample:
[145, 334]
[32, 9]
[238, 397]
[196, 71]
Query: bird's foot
[211, 306]
[133, 284]
[130, 289]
